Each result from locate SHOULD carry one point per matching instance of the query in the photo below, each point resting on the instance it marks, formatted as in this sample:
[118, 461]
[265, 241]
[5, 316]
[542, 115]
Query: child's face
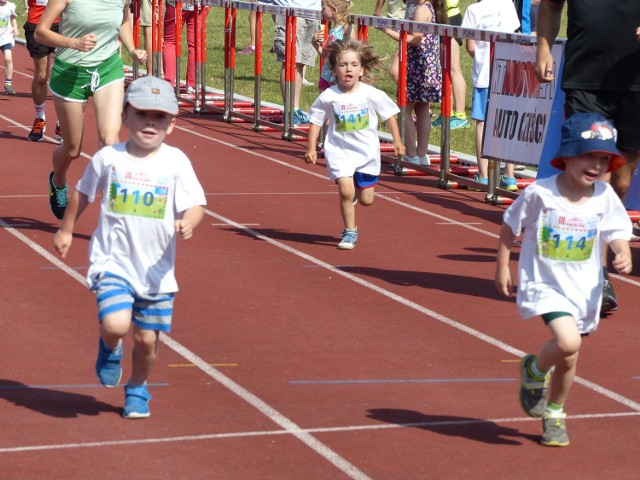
[348, 70]
[585, 169]
[147, 128]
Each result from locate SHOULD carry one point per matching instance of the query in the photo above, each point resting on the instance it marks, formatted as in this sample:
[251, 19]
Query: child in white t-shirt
[567, 220]
[351, 146]
[494, 16]
[8, 33]
[150, 195]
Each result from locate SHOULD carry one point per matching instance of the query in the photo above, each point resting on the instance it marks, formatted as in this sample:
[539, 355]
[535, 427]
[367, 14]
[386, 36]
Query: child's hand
[399, 148]
[184, 228]
[622, 263]
[311, 156]
[318, 37]
[503, 281]
[62, 241]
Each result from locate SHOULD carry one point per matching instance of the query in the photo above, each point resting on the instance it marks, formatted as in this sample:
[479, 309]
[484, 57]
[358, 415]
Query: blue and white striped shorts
[148, 312]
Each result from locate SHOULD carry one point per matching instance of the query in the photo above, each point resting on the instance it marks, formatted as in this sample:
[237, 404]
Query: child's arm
[422, 15]
[312, 155]
[503, 272]
[14, 24]
[190, 219]
[64, 236]
[622, 260]
[392, 125]
[318, 41]
[471, 47]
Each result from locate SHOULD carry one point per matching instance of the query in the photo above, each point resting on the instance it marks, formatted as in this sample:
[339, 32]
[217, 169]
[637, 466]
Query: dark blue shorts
[364, 180]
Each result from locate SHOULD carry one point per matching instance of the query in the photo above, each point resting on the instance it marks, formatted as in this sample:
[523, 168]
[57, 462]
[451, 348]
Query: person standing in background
[305, 52]
[41, 56]
[8, 34]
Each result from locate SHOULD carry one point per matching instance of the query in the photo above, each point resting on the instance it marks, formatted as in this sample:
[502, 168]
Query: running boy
[8, 33]
[567, 219]
[150, 194]
[352, 147]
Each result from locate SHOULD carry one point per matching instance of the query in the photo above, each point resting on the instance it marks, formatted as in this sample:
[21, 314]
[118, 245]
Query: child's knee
[145, 340]
[570, 345]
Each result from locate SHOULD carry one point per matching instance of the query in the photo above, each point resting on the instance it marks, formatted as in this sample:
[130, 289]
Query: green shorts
[77, 84]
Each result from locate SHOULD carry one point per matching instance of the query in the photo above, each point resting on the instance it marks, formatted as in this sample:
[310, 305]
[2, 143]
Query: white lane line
[316, 445]
[265, 433]
[408, 303]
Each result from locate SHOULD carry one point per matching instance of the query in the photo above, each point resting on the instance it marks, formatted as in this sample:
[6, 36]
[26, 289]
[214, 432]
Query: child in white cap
[566, 221]
[150, 195]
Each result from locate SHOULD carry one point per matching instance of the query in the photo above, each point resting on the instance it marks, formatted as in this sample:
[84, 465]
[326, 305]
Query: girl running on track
[352, 147]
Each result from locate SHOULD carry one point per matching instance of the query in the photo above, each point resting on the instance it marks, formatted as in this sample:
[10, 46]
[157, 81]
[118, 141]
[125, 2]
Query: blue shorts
[364, 180]
[479, 104]
[148, 312]
[6, 46]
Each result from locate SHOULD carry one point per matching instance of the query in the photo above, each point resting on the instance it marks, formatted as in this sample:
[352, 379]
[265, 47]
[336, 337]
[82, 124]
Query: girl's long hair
[343, 9]
[369, 59]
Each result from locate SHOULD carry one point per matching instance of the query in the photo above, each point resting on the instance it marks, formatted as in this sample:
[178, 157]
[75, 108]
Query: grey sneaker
[554, 430]
[533, 392]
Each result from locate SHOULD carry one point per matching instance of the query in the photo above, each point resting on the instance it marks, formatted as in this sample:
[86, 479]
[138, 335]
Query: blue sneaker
[458, 122]
[437, 123]
[136, 401]
[299, 117]
[484, 181]
[349, 239]
[108, 366]
[508, 183]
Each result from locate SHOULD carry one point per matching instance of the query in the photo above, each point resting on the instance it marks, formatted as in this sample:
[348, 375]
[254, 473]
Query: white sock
[39, 111]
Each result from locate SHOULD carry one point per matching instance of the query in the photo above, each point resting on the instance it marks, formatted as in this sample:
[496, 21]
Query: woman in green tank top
[87, 64]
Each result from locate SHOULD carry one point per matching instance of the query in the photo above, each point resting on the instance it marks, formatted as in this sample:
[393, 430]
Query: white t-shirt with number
[352, 142]
[560, 268]
[7, 12]
[136, 237]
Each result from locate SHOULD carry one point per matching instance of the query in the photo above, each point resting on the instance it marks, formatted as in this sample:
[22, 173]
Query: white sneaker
[415, 160]
[425, 161]
[306, 82]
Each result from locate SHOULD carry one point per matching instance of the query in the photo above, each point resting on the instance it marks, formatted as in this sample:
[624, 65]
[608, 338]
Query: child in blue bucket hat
[566, 221]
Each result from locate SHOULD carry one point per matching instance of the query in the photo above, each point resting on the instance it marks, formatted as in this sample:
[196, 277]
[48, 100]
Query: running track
[290, 359]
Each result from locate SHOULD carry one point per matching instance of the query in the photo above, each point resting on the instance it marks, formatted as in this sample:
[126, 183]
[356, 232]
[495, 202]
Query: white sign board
[519, 106]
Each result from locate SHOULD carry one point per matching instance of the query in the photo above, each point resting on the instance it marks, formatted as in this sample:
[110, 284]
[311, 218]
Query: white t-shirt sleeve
[188, 191]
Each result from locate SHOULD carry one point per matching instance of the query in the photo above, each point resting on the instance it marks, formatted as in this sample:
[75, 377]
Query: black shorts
[37, 50]
[456, 21]
[622, 108]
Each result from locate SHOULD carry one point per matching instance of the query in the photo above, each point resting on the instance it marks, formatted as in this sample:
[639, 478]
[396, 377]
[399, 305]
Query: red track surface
[290, 359]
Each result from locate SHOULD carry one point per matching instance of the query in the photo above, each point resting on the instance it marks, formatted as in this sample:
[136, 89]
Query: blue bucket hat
[588, 132]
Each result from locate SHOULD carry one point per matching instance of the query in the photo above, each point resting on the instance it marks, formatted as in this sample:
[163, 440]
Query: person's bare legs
[561, 352]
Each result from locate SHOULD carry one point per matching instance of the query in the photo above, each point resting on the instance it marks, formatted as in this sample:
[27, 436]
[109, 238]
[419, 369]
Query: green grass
[461, 140]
